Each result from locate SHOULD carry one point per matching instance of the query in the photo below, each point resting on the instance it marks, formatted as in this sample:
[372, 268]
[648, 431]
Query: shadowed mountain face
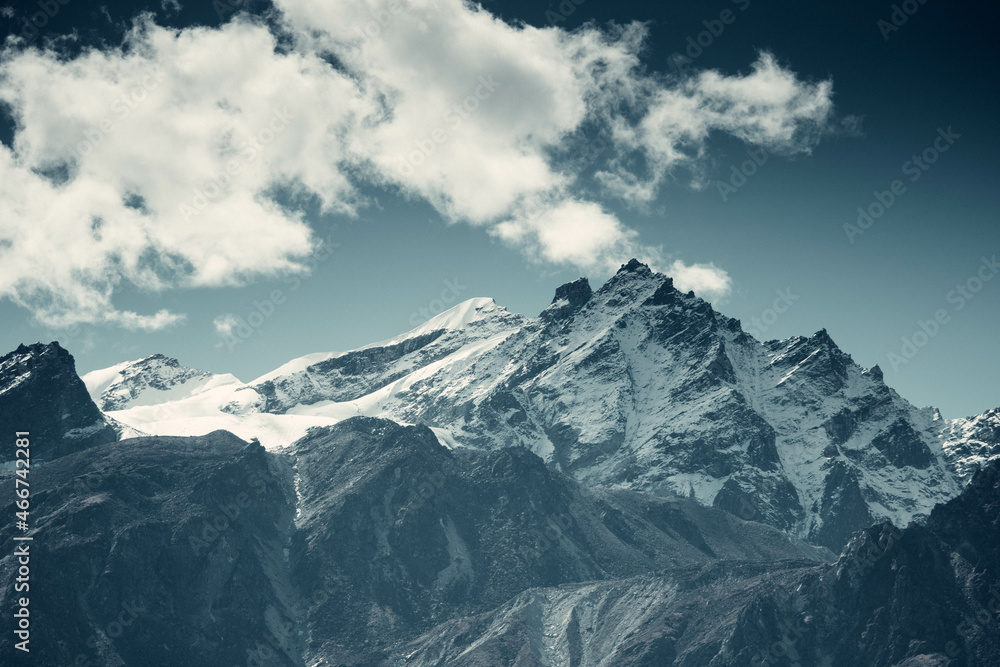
[41, 393]
[927, 595]
[370, 543]
[366, 535]
[158, 551]
[405, 533]
[633, 385]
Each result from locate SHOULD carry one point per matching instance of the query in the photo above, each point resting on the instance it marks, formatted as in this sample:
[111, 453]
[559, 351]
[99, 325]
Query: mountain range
[635, 386]
[628, 478]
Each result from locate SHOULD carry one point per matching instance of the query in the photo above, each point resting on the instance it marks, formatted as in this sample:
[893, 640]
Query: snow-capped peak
[454, 319]
[149, 381]
[457, 317]
[100, 380]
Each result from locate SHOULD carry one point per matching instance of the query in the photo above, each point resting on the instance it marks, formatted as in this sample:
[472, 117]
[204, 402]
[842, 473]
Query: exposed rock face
[843, 505]
[158, 551]
[41, 393]
[972, 442]
[405, 534]
[149, 381]
[569, 298]
[351, 375]
[926, 595]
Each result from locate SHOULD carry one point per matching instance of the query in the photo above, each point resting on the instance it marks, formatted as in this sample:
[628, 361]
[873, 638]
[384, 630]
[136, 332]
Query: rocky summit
[40, 393]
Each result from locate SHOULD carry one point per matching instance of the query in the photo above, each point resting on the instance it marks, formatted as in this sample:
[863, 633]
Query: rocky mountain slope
[405, 533]
[157, 551]
[970, 442]
[926, 595]
[371, 543]
[636, 385]
[207, 550]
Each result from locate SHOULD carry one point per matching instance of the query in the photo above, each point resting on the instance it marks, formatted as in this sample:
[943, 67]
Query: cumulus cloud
[149, 164]
[474, 105]
[570, 231]
[178, 159]
[583, 233]
[706, 280]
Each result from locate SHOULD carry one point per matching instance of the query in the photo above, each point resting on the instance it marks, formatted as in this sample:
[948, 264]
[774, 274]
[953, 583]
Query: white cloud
[474, 104]
[495, 158]
[157, 164]
[769, 107]
[143, 138]
[136, 322]
[706, 280]
[570, 231]
[225, 325]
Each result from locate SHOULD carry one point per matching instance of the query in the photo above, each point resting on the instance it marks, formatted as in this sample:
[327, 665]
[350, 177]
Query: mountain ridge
[41, 394]
[634, 385]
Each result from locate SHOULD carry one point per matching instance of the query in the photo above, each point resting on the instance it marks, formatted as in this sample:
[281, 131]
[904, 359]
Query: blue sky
[397, 247]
